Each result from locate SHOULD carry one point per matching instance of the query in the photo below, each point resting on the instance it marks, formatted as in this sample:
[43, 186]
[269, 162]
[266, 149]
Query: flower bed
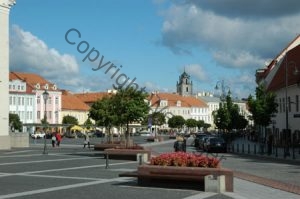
[182, 159]
[182, 169]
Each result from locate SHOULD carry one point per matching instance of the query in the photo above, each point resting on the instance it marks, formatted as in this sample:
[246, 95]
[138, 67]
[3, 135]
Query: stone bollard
[142, 158]
[214, 184]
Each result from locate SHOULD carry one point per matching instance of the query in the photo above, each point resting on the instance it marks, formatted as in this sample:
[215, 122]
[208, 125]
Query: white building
[174, 104]
[282, 77]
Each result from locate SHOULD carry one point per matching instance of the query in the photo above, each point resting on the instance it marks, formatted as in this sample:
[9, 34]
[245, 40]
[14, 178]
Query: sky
[96, 45]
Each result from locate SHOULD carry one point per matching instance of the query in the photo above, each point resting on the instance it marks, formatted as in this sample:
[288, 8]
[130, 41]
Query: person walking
[58, 138]
[86, 140]
[53, 139]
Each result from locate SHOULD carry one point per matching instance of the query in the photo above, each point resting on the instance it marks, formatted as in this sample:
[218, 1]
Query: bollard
[255, 149]
[248, 148]
[243, 151]
[237, 148]
[140, 159]
[107, 161]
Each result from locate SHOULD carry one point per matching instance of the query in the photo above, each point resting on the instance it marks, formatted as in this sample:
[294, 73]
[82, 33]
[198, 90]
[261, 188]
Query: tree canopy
[227, 117]
[15, 122]
[177, 121]
[263, 106]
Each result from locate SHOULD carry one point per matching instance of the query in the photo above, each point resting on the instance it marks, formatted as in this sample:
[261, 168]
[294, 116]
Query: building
[73, 106]
[22, 101]
[171, 104]
[35, 87]
[282, 77]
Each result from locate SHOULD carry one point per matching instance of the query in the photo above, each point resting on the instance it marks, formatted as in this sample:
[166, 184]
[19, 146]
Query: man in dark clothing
[180, 145]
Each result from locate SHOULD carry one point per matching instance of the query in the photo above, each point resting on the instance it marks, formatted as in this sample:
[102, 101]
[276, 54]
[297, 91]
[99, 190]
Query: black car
[215, 144]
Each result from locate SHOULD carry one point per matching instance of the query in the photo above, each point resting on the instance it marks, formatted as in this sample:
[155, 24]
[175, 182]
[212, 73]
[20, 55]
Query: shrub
[182, 159]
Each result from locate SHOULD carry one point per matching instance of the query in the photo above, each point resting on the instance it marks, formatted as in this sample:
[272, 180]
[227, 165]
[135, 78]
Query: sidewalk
[245, 146]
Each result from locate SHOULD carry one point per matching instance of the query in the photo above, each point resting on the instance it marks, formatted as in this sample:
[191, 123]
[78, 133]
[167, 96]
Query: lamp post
[287, 104]
[221, 85]
[45, 97]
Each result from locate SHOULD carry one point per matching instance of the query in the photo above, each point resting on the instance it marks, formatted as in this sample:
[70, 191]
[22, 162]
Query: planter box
[151, 175]
[127, 154]
[103, 146]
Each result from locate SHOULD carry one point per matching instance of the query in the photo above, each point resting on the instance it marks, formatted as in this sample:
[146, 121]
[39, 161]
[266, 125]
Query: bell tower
[185, 85]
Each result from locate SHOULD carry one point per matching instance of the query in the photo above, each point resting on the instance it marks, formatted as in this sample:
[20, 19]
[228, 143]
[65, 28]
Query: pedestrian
[53, 139]
[86, 140]
[179, 144]
[58, 138]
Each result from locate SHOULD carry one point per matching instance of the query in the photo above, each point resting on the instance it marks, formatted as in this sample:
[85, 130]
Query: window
[50, 114]
[38, 114]
[10, 100]
[56, 100]
[38, 100]
[49, 100]
[187, 89]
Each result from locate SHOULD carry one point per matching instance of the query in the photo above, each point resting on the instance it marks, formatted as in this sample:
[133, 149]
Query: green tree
[263, 106]
[129, 105]
[15, 122]
[103, 113]
[68, 119]
[227, 117]
[88, 123]
[177, 121]
[191, 123]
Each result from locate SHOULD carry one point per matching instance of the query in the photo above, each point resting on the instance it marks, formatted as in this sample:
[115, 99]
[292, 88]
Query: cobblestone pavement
[73, 172]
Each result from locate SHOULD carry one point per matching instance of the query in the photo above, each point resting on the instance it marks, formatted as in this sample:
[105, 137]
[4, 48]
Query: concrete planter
[196, 177]
[127, 154]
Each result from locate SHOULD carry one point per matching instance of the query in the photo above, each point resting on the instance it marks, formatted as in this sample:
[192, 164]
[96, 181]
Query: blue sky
[153, 41]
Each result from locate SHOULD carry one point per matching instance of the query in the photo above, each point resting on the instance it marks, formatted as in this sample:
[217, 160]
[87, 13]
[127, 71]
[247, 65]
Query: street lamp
[287, 104]
[45, 97]
[223, 87]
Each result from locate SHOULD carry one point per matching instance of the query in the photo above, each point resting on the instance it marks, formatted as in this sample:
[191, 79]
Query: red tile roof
[31, 79]
[292, 59]
[186, 101]
[71, 102]
[90, 98]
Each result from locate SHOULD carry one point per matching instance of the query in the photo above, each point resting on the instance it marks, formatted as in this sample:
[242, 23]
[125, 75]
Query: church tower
[185, 85]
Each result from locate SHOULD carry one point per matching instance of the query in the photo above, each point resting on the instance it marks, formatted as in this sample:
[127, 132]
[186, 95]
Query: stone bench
[201, 178]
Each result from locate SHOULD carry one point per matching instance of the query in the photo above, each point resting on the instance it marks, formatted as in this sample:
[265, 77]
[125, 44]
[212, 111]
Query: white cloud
[28, 53]
[234, 41]
[197, 72]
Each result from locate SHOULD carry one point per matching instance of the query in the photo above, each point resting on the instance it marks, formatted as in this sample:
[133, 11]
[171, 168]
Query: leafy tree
[102, 112]
[129, 105]
[158, 118]
[263, 106]
[191, 123]
[227, 117]
[15, 122]
[88, 123]
[177, 121]
[68, 119]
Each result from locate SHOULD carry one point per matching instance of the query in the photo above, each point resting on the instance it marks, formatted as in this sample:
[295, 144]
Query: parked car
[202, 142]
[216, 144]
[145, 133]
[37, 135]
